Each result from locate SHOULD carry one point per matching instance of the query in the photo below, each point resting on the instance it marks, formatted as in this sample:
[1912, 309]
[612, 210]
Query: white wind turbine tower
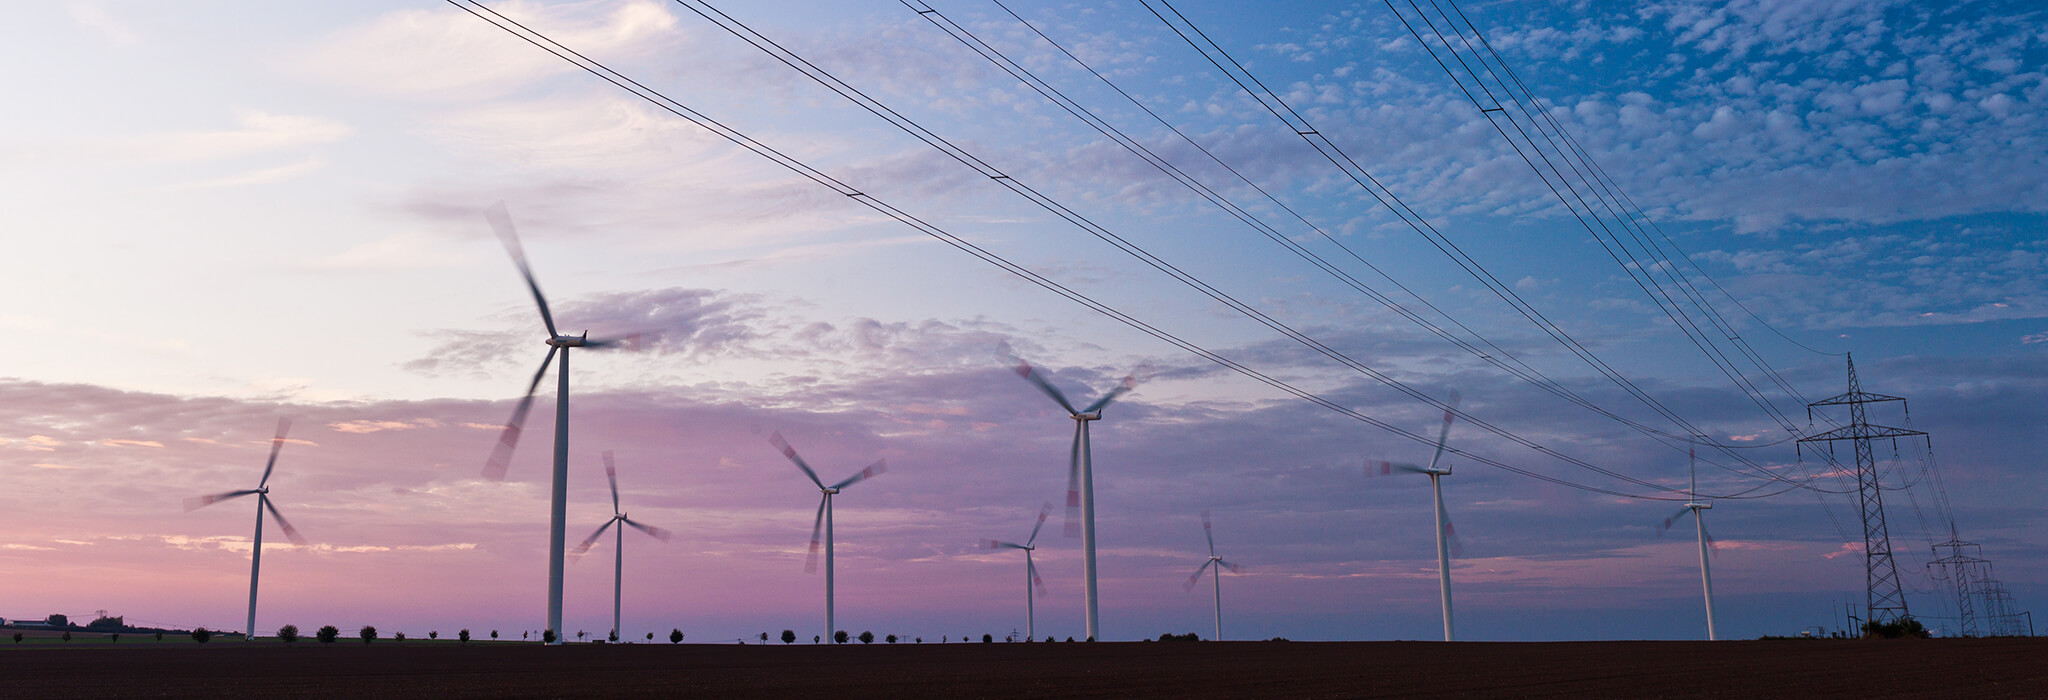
[824, 521]
[1447, 544]
[1217, 578]
[1031, 578]
[262, 492]
[1699, 519]
[501, 456]
[1081, 479]
[611, 473]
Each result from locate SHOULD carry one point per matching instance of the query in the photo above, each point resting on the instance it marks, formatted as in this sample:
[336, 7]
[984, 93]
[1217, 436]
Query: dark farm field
[2010, 668]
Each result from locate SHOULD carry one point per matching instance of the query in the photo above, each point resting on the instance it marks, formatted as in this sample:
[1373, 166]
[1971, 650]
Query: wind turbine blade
[790, 452]
[1384, 468]
[1671, 520]
[1035, 580]
[991, 544]
[630, 342]
[1025, 370]
[290, 533]
[817, 531]
[1457, 546]
[1130, 382]
[1206, 533]
[656, 532]
[501, 455]
[1043, 512]
[873, 470]
[501, 221]
[1445, 434]
[198, 502]
[1713, 545]
[611, 474]
[1073, 528]
[1189, 585]
[577, 553]
[284, 425]
[1232, 567]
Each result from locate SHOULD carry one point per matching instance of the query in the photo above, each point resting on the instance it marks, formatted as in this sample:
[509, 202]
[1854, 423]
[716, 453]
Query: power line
[668, 104]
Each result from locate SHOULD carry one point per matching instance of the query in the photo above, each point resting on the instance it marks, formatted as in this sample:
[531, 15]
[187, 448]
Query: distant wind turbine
[1216, 578]
[823, 523]
[501, 456]
[611, 473]
[1447, 544]
[1081, 479]
[1031, 578]
[262, 492]
[1706, 540]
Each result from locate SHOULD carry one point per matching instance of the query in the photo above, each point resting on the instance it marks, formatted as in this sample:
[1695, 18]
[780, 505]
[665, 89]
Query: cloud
[447, 54]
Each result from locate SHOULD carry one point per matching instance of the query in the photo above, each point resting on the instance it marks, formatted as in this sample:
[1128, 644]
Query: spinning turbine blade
[198, 502]
[1456, 545]
[658, 533]
[1445, 433]
[611, 473]
[1197, 576]
[1384, 468]
[1671, 520]
[290, 533]
[501, 221]
[873, 470]
[501, 455]
[991, 544]
[1032, 567]
[1043, 512]
[1073, 528]
[592, 539]
[817, 531]
[1130, 382]
[1232, 567]
[1713, 546]
[1208, 534]
[284, 425]
[790, 452]
[1029, 374]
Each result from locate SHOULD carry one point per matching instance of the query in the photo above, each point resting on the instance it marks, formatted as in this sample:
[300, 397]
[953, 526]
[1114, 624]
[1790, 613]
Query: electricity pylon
[1883, 599]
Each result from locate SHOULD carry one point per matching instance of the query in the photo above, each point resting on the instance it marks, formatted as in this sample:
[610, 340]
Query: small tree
[580, 634]
[113, 637]
[814, 639]
[650, 637]
[201, 634]
[67, 635]
[764, 637]
[988, 639]
[839, 637]
[288, 634]
[17, 638]
[368, 633]
[867, 637]
[890, 639]
[920, 640]
[398, 636]
[614, 638]
[159, 636]
[327, 634]
[494, 633]
[433, 634]
[788, 636]
[675, 636]
[547, 636]
[464, 635]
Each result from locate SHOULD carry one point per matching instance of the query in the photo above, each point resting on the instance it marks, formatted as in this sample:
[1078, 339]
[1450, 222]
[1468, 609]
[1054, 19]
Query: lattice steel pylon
[1884, 599]
[1966, 574]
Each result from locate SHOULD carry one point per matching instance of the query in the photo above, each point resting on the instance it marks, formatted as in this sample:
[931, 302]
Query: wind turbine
[1447, 544]
[611, 473]
[501, 456]
[1031, 578]
[262, 492]
[824, 520]
[1217, 578]
[1699, 519]
[1081, 478]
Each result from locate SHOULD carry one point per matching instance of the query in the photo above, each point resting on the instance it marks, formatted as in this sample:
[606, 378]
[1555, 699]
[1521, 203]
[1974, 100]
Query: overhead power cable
[670, 105]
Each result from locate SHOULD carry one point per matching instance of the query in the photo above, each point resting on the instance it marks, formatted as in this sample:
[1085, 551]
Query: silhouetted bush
[1189, 637]
[368, 633]
[988, 639]
[463, 636]
[839, 636]
[288, 634]
[17, 638]
[433, 634]
[327, 634]
[788, 636]
[867, 637]
[1903, 627]
[67, 635]
[547, 636]
[890, 639]
[201, 635]
[398, 636]
[113, 637]
[675, 636]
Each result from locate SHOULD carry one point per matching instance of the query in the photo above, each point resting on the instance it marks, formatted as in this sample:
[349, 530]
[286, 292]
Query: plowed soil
[2003, 668]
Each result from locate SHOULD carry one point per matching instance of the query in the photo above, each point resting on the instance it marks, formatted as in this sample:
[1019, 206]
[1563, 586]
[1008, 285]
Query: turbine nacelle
[569, 341]
[1699, 506]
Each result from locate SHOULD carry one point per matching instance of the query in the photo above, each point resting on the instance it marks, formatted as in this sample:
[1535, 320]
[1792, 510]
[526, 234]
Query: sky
[220, 214]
